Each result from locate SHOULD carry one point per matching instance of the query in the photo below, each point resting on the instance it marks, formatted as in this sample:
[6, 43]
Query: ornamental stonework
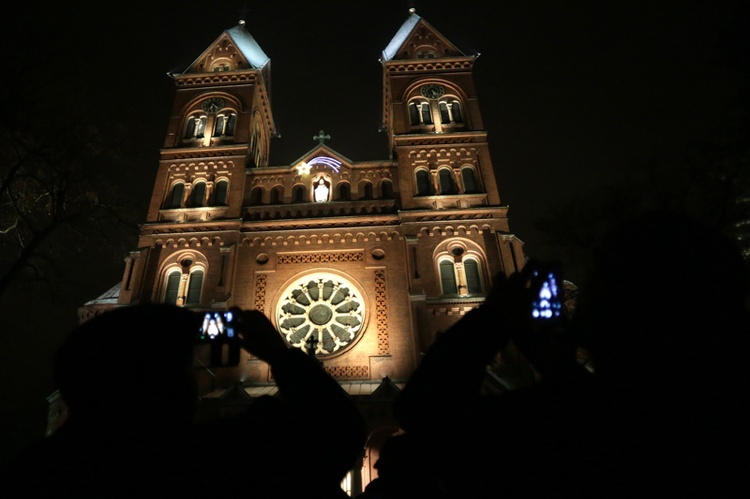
[349, 256]
[348, 372]
[381, 313]
[260, 292]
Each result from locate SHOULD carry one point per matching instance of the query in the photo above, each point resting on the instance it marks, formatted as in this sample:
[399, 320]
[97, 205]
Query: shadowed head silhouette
[133, 354]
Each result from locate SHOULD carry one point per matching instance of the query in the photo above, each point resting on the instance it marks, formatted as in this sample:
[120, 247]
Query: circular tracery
[321, 309]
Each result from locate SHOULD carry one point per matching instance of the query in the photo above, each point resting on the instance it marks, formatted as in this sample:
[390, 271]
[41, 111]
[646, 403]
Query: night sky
[573, 94]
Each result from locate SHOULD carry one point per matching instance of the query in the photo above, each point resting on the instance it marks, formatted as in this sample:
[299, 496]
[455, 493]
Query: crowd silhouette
[126, 376]
[663, 315]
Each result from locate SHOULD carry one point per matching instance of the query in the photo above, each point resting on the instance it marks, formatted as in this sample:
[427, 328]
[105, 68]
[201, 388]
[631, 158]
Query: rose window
[324, 310]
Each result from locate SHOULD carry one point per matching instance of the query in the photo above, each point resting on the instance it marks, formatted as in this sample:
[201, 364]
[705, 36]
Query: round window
[323, 310]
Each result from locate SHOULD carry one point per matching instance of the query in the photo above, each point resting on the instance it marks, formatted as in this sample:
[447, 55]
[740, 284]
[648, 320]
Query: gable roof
[248, 48]
[406, 31]
[322, 150]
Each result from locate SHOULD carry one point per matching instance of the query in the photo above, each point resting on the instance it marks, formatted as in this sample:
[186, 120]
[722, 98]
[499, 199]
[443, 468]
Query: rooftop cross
[321, 137]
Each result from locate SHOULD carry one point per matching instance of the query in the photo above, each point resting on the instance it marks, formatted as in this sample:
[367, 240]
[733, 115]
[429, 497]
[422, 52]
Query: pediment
[322, 157]
[235, 49]
[417, 39]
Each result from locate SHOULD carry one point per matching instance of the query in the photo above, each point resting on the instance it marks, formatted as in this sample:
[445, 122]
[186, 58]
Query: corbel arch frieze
[451, 88]
[193, 242]
[230, 101]
[320, 239]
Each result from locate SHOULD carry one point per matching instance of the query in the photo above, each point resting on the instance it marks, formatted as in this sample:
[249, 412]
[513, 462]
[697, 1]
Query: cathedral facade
[360, 262]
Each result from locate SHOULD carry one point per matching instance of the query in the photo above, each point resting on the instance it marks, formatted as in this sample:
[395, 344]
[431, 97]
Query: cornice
[321, 223]
[203, 152]
[455, 301]
[198, 228]
[430, 65]
[213, 79]
[335, 209]
[474, 213]
[405, 140]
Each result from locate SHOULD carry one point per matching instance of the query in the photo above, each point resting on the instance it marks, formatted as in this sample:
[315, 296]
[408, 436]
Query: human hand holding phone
[258, 335]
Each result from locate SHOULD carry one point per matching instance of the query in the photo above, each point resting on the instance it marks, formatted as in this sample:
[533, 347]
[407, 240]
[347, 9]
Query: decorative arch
[365, 189]
[386, 189]
[462, 267]
[256, 195]
[447, 181]
[343, 191]
[198, 193]
[277, 194]
[299, 193]
[176, 195]
[469, 179]
[182, 278]
[220, 192]
[321, 188]
[422, 182]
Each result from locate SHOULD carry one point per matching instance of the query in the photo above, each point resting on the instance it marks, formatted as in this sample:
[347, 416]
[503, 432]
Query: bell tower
[455, 226]
[221, 123]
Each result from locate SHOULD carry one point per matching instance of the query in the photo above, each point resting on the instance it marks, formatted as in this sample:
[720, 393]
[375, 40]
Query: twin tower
[364, 261]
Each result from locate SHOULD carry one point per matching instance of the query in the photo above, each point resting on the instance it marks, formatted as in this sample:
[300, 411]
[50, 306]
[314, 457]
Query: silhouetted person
[127, 379]
[665, 412]
[665, 307]
[487, 446]
[405, 472]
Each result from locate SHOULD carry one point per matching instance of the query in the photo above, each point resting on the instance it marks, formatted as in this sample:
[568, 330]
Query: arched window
[426, 113]
[420, 113]
[344, 192]
[196, 126]
[220, 193]
[464, 277]
[447, 182]
[455, 110]
[445, 116]
[299, 193]
[194, 287]
[277, 194]
[172, 288]
[189, 293]
[224, 124]
[450, 111]
[386, 189]
[198, 195]
[424, 186]
[256, 195]
[469, 180]
[175, 197]
[365, 189]
[448, 277]
[414, 114]
[473, 279]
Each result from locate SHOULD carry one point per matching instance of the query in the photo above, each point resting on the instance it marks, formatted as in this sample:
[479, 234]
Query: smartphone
[221, 345]
[547, 292]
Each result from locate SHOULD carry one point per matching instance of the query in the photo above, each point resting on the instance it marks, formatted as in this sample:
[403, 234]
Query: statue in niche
[321, 192]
